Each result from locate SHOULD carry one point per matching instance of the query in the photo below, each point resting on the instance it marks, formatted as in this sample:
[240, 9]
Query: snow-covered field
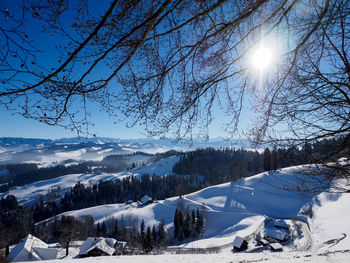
[222, 257]
[240, 208]
[234, 208]
[28, 194]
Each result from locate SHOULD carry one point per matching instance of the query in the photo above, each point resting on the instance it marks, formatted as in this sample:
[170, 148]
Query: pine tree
[98, 229]
[161, 233]
[116, 229]
[148, 242]
[7, 251]
[199, 223]
[154, 234]
[181, 226]
[123, 233]
[193, 224]
[142, 231]
[187, 225]
[103, 229]
[267, 160]
[176, 224]
[274, 159]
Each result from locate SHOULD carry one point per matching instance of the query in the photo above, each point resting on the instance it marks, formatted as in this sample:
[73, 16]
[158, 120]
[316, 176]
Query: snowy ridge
[46, 152]
[28, 194]
[241, 207]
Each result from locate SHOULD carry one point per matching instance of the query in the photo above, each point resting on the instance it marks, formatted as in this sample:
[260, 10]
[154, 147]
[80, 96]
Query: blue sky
[14, 125]
[18, 126]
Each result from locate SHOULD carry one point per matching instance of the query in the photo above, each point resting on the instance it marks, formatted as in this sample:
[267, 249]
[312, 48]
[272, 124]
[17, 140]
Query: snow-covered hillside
[240, 208]
[47, 152]
[28, 194]
[222, 257]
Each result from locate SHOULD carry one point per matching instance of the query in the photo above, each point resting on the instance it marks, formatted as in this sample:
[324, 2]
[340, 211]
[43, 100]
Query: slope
[231, 208]
[28, 194]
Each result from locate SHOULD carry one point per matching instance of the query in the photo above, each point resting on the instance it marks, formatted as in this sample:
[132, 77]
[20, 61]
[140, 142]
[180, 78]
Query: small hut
[146, 200]
[239, 244]
[276, 246]
[32, 248]
[275, 234]
[279, 223]
[98, 246]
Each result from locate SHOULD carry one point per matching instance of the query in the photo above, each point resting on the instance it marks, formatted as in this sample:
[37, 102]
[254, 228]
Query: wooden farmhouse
[239, 244]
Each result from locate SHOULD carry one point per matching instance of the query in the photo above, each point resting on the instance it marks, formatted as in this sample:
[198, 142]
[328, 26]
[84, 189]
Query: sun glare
[262, 58]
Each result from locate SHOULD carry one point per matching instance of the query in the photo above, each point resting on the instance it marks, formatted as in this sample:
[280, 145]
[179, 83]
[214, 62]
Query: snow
[160, 168]
[280, 223]
[104, 244]
[31, 248]
[240, 209]
[71, 154]
[276, 246]
[234, 208]
[275, 234]
[224, 257]
[237, 242]
[28, 194]
[330, 222]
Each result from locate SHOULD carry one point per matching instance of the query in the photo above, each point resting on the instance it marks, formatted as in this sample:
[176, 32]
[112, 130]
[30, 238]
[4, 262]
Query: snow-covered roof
[238, 241]
[32, 248]
[46, 253]
[275, 234]
[280, 223]
[104, 244]
[146, 199]
[276, 246]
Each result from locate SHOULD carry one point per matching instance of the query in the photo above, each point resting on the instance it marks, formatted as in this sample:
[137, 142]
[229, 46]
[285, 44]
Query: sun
[262, 58]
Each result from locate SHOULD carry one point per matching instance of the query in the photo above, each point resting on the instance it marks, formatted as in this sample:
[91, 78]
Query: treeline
[229, 164]
[22, 174]
[17, 221]
[117, 191]
[188, 224]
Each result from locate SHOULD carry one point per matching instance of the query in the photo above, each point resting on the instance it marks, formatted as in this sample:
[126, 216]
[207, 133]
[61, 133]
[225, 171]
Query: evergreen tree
[98, 229]
[199, 223]
[154, 234]
[103, 229]
[142, 231]
[7, 251]
[267, 160]
[116, 230]
[148, 242]
[187, 225]
[176, 224]
[123, 233]
[193, 224]
[274, 159]
[181, 226]
[161, 233]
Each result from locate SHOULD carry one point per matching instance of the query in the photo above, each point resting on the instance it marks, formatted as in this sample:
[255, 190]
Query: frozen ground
[28, 194]
[240, 208]
[222, 257]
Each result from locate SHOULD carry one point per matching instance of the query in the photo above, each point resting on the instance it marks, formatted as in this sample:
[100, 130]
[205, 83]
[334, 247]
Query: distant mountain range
[46, 151]
[197, 142]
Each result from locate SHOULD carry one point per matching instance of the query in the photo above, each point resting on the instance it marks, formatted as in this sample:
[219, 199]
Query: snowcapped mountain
[46, 152]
